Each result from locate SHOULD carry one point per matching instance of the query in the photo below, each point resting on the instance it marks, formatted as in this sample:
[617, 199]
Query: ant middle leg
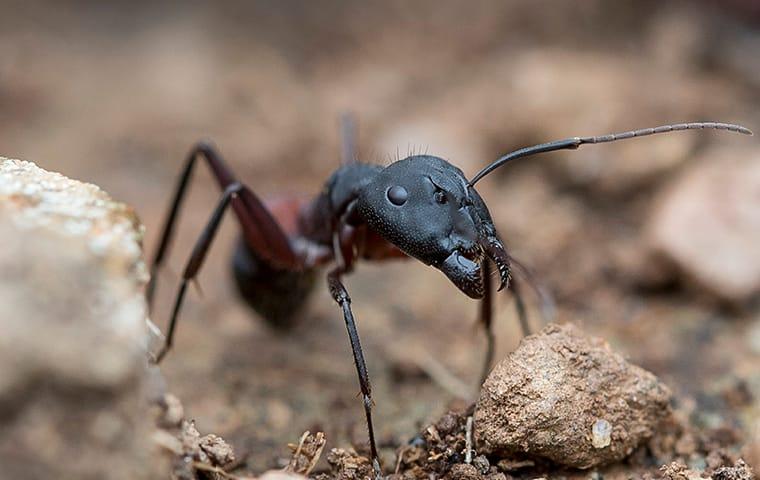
[485, 318]
[522, 313]
[194, 263]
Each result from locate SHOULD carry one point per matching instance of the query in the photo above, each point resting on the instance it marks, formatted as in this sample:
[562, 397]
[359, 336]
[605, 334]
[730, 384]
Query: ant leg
[260, 229]
[195, 262]
[545, 299]
[340, 295]
[485, 318]
[522, 313]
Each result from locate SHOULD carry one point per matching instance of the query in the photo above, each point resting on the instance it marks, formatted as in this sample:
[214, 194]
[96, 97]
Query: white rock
[73, 322]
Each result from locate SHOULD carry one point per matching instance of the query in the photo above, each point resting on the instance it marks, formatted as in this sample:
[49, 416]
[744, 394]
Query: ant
[421, 207]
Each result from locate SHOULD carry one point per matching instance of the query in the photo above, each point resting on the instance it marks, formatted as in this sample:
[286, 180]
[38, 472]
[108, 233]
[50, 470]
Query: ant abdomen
[277, 295]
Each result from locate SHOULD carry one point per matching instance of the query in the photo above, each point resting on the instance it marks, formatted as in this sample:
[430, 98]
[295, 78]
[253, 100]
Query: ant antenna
[575, 142]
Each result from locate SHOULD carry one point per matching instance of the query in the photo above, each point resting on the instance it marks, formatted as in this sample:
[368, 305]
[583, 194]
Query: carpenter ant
[421, 207]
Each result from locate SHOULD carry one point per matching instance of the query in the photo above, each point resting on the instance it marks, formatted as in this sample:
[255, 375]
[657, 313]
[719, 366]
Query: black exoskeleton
[421, 207]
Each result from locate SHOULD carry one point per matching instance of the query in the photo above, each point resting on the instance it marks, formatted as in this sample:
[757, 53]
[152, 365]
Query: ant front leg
[485, 319]
[486, 316]
[340, 295]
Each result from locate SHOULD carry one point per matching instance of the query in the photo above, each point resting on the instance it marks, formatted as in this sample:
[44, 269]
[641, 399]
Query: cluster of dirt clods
[560, 403]
[440, 451]
[446, 449]
[538, 416]
[190, 455]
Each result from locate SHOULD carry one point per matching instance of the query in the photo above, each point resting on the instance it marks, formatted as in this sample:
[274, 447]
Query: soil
[116, 96]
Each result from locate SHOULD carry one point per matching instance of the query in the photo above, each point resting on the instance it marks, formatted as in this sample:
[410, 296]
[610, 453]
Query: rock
[568, 398]
[740, 471]
[73, 322]
[708, 222]
[218, 450]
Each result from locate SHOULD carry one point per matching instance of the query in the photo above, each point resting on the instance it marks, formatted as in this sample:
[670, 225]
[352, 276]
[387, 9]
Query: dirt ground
[116, 94]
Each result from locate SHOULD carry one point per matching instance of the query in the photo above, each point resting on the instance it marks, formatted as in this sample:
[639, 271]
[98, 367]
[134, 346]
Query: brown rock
[72, 316]
[570, 399]
[708, 224]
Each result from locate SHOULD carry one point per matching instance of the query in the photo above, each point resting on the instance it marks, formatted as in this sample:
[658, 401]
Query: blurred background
[652, 244]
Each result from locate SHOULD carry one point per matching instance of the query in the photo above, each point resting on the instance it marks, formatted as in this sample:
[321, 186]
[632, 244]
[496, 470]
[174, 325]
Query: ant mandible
[421, 207]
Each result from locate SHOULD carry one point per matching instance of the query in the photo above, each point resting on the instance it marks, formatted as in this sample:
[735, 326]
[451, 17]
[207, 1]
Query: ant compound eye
[397, 195]
[439, 196]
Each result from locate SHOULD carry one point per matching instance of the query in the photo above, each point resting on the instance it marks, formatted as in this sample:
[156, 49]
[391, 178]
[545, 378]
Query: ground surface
[116, 95]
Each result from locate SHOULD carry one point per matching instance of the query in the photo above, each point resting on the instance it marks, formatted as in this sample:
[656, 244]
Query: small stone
[601, 434]
[740, 471]
[463, 471]
[220, 453]
[447, 423]
[481, 463]
[568, 398]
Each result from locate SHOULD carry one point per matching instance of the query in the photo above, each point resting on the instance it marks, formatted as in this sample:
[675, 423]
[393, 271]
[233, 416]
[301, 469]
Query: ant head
[424, 206]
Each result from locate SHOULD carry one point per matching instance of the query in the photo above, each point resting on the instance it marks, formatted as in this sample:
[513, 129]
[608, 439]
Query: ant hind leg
[261, 231]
